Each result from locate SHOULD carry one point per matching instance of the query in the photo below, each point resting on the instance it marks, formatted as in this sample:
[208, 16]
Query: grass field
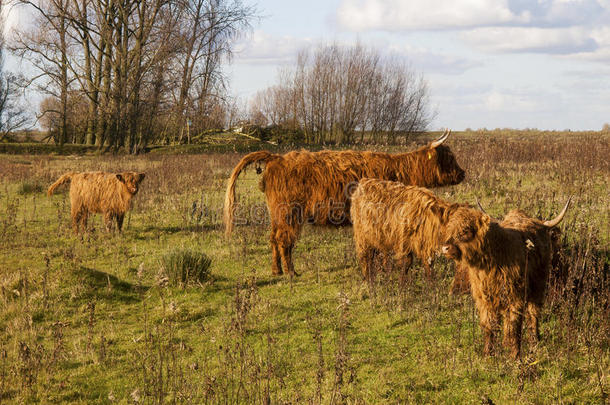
[96, 318]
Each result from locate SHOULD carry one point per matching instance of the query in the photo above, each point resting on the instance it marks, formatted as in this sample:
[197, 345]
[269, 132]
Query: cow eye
[466, 234]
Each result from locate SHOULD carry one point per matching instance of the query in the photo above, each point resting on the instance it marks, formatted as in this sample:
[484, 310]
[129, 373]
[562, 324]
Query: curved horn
[555, 221]
[480, 206]
[442, 139]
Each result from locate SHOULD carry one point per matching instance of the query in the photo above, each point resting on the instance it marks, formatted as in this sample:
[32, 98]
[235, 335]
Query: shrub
[27, 187]
[185, 266]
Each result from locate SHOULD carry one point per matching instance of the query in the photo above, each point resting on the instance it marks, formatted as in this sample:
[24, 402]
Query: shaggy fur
[98, 192]
[315, 187]
[508, 265]
[461, 282]
[393, 219]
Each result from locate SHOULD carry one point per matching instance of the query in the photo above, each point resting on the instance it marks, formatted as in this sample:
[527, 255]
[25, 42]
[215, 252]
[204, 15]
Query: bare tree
[204, 38]
[335, 93]
[140, 66]
[12, 113]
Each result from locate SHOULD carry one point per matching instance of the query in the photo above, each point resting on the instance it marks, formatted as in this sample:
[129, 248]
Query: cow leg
[108, 221]
[286, 255]
[75, 221]
[488, 322]
[285, 238]
[513, 321]
[461, 283]
[77, 213]
[487, 318]
[83, 219]
[404, 263]
[533, 314]
[365, 256]
[428, 267]
[119, 221]
[276, 264]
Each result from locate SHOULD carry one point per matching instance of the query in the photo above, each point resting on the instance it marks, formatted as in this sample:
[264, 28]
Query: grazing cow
[397, 220]
[508, 264]
[99, 192]
[315, 187]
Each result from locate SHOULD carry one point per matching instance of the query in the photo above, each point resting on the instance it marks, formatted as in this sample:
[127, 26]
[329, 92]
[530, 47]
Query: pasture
[96, 318]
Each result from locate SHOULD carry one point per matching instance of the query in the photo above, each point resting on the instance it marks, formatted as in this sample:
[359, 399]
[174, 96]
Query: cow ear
[140, 177]
[120, 178]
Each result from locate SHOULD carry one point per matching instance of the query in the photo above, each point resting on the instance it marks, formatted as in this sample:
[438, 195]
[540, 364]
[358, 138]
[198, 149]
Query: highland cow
[315, 187]
[99, 192]
[508, 265]
[397, 221]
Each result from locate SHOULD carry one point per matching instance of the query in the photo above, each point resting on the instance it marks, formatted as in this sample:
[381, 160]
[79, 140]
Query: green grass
[185, 266]
[89, 319]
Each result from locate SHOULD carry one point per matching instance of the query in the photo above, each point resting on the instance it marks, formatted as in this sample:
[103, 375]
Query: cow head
[131, 181]
[465, 233]
[440, 161]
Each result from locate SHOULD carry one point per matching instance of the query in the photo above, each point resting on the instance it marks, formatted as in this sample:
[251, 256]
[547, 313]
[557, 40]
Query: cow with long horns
[315, 187]
[508, 263]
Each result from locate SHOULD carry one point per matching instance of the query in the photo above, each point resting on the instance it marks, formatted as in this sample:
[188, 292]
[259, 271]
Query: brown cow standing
[315, 187]
[508, 264]
[397, 220]
[99, 192]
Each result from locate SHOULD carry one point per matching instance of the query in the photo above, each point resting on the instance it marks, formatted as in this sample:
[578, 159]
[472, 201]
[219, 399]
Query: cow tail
[229, 206]
[62, 180]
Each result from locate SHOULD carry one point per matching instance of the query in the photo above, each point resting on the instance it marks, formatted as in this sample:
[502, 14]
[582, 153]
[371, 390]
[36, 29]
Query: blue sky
[488, 63]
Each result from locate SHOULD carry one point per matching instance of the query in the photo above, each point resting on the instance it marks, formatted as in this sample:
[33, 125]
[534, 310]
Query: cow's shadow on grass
[151, 231]
[94, 284]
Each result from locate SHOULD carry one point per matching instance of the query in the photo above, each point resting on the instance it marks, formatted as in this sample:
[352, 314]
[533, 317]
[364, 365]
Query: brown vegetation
[99, 192]
[508, 266]
[315, 187]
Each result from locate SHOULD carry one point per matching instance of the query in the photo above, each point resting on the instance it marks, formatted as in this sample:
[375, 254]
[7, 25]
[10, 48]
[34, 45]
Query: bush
[185, 266]
[27, 187]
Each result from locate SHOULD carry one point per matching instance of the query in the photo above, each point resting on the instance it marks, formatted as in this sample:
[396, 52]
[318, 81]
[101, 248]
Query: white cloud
[262, 48]
[394, 15]
[560, 27]
[404, 15]
[502, 101]
[525, 39]
[432, 62]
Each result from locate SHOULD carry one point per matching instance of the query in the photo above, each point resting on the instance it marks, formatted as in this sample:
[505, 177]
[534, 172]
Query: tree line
[124, 73]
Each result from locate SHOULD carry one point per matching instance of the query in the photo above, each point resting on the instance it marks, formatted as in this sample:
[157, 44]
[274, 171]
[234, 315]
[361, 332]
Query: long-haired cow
[397, 221]
[508, 264]
[315, 187]
[98, 192]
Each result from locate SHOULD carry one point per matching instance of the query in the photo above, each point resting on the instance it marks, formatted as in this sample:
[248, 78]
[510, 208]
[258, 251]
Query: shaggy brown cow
[461, 282]
[99, 192]
[396, 220]
[508, 265]
[315, 187]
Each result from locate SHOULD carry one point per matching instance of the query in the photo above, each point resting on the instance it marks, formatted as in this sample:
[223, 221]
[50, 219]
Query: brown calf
[508, 264]
[99, 192]
[315, 187]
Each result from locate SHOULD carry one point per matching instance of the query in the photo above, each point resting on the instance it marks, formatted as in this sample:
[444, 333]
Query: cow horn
[480, 206]
[442, 139]
[558, 218]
